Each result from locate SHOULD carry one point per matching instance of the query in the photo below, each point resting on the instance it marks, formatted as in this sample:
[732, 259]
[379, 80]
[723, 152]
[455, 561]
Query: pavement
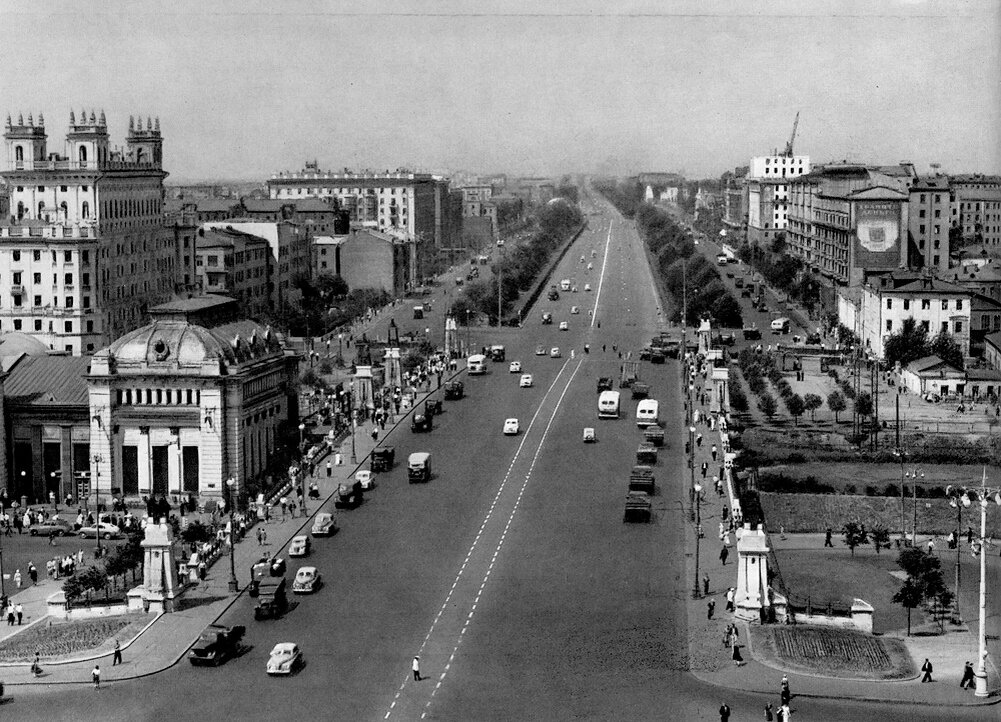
[167, 638]
[710, 659]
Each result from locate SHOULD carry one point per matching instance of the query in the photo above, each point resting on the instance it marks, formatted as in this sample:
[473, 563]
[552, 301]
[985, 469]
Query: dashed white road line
[601, 278]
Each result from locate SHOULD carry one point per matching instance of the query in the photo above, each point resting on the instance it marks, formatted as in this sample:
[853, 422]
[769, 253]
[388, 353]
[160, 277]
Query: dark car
[216, 644]
[752, 334]
[382, 459]
[349, 494]
[604, 384]
[420, 423]
[432, 407]
[554, 295]
[454, 390]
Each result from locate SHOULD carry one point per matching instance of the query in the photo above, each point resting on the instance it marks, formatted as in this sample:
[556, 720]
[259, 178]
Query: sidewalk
[167, 638]
[710, 660]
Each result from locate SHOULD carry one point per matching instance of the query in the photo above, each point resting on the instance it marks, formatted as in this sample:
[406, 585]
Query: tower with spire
[26, 142]
[145, 145]
[87, 140]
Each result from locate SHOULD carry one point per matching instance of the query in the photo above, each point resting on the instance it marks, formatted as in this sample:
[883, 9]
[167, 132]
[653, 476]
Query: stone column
[720, 401]
[394, 371]
[363, 388]
[705, 336]
[752, 573]
[160, 585]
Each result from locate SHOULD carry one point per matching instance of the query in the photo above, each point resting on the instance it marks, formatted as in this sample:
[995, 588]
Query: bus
[476, 364]
[608, 405]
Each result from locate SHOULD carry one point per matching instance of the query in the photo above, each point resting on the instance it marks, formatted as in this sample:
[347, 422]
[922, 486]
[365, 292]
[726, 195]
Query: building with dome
[173, 408]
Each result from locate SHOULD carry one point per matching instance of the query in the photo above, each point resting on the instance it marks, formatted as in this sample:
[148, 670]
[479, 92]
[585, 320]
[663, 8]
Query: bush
[738, 401]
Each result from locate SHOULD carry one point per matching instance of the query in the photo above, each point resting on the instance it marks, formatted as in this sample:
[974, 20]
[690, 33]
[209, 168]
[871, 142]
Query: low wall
[56, 607]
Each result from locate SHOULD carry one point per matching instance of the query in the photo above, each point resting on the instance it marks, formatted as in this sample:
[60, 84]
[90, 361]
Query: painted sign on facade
[877, 240]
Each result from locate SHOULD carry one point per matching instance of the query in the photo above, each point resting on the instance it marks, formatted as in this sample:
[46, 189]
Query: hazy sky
[247, 88]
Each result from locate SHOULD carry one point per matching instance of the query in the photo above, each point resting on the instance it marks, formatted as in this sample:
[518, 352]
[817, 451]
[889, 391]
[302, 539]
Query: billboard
[877, 234]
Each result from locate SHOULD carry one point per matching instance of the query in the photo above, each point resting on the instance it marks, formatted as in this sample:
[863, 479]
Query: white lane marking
[514, 510]
[601, 278]
[490, 511]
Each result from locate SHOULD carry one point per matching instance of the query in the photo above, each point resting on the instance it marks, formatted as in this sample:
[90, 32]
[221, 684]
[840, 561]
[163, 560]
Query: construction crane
[788, 151]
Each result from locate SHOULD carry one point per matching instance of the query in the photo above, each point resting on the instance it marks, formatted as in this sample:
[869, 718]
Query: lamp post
[967, 496]
[957, 500]
[302, 429]
[351, 411]
[467, 331]
[691, 466]
[697, 489]
[900, 453]
[340, 355]
[914, 474]
[98, 460]
[234, 585]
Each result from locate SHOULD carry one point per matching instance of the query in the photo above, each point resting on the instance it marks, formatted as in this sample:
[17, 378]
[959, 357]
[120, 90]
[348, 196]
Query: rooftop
[930, 286]
[48, 380]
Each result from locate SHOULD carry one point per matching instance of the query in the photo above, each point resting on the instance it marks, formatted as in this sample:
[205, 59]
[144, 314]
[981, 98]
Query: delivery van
[647, 412]
[608, 405]
[780, 325]
[565, 284]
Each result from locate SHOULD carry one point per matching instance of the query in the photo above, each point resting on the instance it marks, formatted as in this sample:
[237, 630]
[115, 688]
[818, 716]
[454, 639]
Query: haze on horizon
[244, 89]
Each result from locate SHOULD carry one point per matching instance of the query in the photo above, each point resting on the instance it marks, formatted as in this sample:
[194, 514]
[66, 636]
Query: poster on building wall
[877, 239]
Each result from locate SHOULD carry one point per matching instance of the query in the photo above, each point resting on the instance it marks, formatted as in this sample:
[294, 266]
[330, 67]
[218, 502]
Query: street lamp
[98, 460]
[981, 494]
[691, 465]
[957, 500]
[340, 355]
[697, 489]
[467, 331]
[914, 474]
[302, 429]
[351, 411]
[234, 586]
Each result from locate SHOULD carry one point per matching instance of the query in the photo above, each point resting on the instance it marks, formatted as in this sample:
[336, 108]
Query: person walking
[10, 615]
[724, 712]
[785, 694]
[769, 717]
[736, 656]
[117, 658]
[705, 584]
[330, 470]
[416, 667]
[710, 609]
[969, 678]
[927, 669]
[19, 611]
[95, 676]
[731, 593]
[375, 434]
[723, 554]
[260, 536]
[827, 538]
[17, 578]
[283, 502]
[32, 572]
[713, 452]
[698, 437]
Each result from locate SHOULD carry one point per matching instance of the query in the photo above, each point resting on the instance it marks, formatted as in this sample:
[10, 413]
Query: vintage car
[365, 478]
[323, 525]
[564, 326]
[454, 390]
[604, 384]
[383, 458]
[540, 350]
[106, 530]
[515, 367]
[307, 580]
[511, 427]
[53, 525]
[285, 658]
[526, 381]
[420, 423]
[589, 436]
[300, 546]
[554, 352]
[419, 467]
[216, 644]
[272, 601]
[348, 495]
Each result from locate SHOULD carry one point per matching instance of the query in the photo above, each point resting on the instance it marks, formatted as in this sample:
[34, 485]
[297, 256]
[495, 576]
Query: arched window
[85, 209]
[83, 153]
[18, 153]
[65, 209]
[20, 210]
[139, 156]
[41, 208]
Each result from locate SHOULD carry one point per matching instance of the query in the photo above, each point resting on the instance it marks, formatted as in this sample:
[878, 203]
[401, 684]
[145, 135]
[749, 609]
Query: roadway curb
[183, 654]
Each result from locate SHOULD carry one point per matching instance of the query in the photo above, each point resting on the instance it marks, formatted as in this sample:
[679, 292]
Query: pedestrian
[705, 469]
[260, 536]
[284, 505]
[785, 695]
[330, 470]
[32, 573]
[10, 615]
[291, 508]
[724, 713]
[827, 538]
[698, 439]
[710, 609]
[723, 554]
[375, 434]
[202, 570]
[705, 584]
[95, 676]
[927, 669]
[931, 546]
[117, 658]
[719, 486]
[19, 611]
[768, 712]
[736, 656]
[264, 537]
[713, 452]
[17, 578]
[416, 667]
[731, 593]
[968, 677]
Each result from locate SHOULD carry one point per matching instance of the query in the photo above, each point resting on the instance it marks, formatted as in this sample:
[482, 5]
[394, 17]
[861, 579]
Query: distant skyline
[246, 89]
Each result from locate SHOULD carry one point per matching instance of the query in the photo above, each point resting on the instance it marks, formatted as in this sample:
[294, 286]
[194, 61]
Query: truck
[630, 373]
[638, 507]
[780, 325]
[641, 479]
[382, 459]
[496, 353]
[476, 364]
[272, 599]
[419, 467]
[454, 390]
[608, 405]
[565, 285]
[216, 644]
[604, 384]
[640, 391]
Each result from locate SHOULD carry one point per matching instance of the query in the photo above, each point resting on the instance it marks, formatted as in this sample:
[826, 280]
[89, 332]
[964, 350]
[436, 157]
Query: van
[647, 411]
[476, 364]
[497, 353]
[418, 311]
[780, 325]
[608, 405]
[419, 467]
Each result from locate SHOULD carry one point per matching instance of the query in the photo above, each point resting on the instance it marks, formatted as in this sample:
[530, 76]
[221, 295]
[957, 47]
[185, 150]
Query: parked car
[323, 525]
[307, 581]
[285, 658]
[526, 381]
[564, 326]
[106, 530]
[515, 367]
[52, 525]
[574, 310]
[511, 427]
[216, 644]
[300, 546]
[554, 352]
[540, 350]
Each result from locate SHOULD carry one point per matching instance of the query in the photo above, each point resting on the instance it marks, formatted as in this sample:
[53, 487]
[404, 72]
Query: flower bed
[834, 652]
[58, 640]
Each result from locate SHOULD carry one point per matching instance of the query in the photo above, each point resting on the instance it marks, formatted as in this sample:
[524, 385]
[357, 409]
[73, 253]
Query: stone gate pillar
[720, 401]
[160, 585]
[752, 573]
[394, 372]
[363, 389]
[705, 336]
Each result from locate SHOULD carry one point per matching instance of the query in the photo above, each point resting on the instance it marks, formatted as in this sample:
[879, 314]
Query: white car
[299, 547]
[526, 381]
[515, 367]
[106, 530]
[590, 267]
[554, 352]
[307, 581]
[587, 286]
[574, 310]
[511, 427]
[564, 326]
[285, 658]
[365, 478]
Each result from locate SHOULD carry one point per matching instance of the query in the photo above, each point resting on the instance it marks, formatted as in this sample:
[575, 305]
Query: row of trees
[911, 342]
[782, 271]
[116, 566]
[756, 367]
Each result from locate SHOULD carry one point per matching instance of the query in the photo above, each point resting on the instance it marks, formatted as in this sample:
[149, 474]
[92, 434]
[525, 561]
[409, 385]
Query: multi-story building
[84, 250]
[734, 193]
[768, 181]
[978, 208]
[367, 258]
[929, 219]
[235, 264]
[290, 254]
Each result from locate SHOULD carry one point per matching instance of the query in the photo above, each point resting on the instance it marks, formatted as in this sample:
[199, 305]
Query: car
[52, 525]
[589, 437]
[300, 546]
[573, 290]
[307, 580]
[574, 310]
[526, 381]
[587, 286]
[515, 367]
[590, 266]
[564, 326]
[285, 658]
[547, 318]
[554, 352]
[106, 530]
[216, 644]
[365, 478]
[511, 427]
[323, 525]
[729, 274]
[540, 350]
[604, 383]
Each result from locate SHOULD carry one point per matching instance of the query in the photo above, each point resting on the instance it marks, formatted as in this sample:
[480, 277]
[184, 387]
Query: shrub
[738, 401]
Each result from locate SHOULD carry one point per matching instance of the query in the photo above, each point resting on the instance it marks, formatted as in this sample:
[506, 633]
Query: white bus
[608, 405]
[476, 364]
[647, 412]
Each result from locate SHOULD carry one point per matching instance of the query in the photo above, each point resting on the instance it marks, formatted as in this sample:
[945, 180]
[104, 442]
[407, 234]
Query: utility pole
[500, 284]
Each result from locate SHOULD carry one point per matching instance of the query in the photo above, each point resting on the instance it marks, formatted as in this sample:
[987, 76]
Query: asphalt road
[510, 573]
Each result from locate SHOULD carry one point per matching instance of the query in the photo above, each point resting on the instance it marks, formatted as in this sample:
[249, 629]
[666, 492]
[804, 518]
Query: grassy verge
[56, 640]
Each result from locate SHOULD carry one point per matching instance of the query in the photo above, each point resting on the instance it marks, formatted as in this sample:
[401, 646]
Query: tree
[908, 596]
[767, 405]
[812, 402]
[880, 538]
[836, 403]
[796, 407]
[945, 347]
[331, 286]
[855, 535]
[908, 344]
[863, 405]
[738, 401]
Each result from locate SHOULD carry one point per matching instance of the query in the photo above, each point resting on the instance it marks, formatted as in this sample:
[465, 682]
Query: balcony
[17, 290]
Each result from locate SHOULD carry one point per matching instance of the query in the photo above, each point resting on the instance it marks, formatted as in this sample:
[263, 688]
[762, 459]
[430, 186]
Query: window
[36, 255]
[38, 324]
[925, 304]
[921, 213]
[36, 277]
[86, 301]
[959, 304]
[17, 278]
[907, 304]
[938, 213]
[69, 279]
[67, 256]
[958, 327]
[889, 324]
[90, 327]
[889, 303]
[86, 256]
[16, 255]
[17, 324]
[17, 300]
[945, 327]
[38, 300]
[945, 304]
[85, 209]
[921, 228]
[90, 348]
[85, 280]
[69, 302]
[68, 325]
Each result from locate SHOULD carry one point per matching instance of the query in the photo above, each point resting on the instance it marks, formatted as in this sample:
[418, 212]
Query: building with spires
[83, 247]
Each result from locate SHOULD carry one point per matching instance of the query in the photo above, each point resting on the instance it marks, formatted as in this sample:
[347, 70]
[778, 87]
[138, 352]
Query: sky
[247, 88]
